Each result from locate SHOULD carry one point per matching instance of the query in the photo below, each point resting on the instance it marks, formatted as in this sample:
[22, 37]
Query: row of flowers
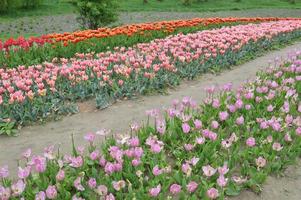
[128, 30]
[230, 142]
[28, 94]
[35, 50]
[24, 43]
[168, 26]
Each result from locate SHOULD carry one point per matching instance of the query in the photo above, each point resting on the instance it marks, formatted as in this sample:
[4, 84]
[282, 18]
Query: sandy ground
[118, 116]
[67, 22]
[287, 187]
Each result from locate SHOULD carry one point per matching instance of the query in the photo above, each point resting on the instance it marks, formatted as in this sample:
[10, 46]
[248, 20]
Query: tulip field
[214, 149]
[36, 50]
[41, 91]
[231, 141]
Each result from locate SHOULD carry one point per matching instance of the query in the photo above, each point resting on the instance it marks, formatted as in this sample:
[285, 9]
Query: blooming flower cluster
[23, 43]
[26, 94]
[128, 30]
[228, 143]
[35, 50]
[169, 26]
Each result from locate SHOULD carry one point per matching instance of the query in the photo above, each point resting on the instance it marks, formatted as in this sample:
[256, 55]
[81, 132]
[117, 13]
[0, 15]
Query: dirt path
[287, 187]
[118, 116]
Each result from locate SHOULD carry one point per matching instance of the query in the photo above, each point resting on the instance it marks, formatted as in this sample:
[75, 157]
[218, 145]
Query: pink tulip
[154, 192]
[92, 183]
[240, 120]
[223, 115]
[214, 124]
[186, 169]
[185, 128]
[277, 146]
[51, 192]
[76, 162]
[110, 197]
[60, 175]
[18, 188]
[197, 124]
[212, 193]
[192, 186]
[94, 155]
[40, 196]
[39, 163]
[175, 189]
[77, 184]
[118, 185]
[222, 181]
[90, 137]
[200, 140]
[208, 170]
[101, 190]
[157, 171]
[251, 142]
[26, 154]
[5, 193]
[215, 103]
[4, 173]
[260, 162]
[24, 173]
[298, 131]
[134, 142]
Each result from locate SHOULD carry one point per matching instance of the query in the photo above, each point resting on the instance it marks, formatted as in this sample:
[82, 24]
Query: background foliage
[96, 13]
[12, 5]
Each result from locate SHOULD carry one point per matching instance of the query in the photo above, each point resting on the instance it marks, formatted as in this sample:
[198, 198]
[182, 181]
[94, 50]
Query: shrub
[96, 13]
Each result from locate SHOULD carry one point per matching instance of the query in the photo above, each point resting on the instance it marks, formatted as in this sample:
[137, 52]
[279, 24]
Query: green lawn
[56, 7]
[13, 24]
[210, 5]
[49, 7]
[4, 36]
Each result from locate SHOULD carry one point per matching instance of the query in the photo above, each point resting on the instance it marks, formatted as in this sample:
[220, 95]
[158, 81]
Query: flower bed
[28, 94]
[168, 26]
[128, 30]
[230, 142]
[39, 49]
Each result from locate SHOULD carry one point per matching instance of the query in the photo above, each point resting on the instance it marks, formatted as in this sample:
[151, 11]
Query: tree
[96, 13]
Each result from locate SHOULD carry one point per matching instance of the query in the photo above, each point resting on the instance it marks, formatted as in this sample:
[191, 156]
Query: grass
[57, 7]
[49, 7]
[210, 5]
[5, 36]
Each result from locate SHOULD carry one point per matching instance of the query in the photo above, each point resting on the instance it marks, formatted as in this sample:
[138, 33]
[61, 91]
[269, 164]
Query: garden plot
[239, 130]
[42, 91]
[235, 72]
